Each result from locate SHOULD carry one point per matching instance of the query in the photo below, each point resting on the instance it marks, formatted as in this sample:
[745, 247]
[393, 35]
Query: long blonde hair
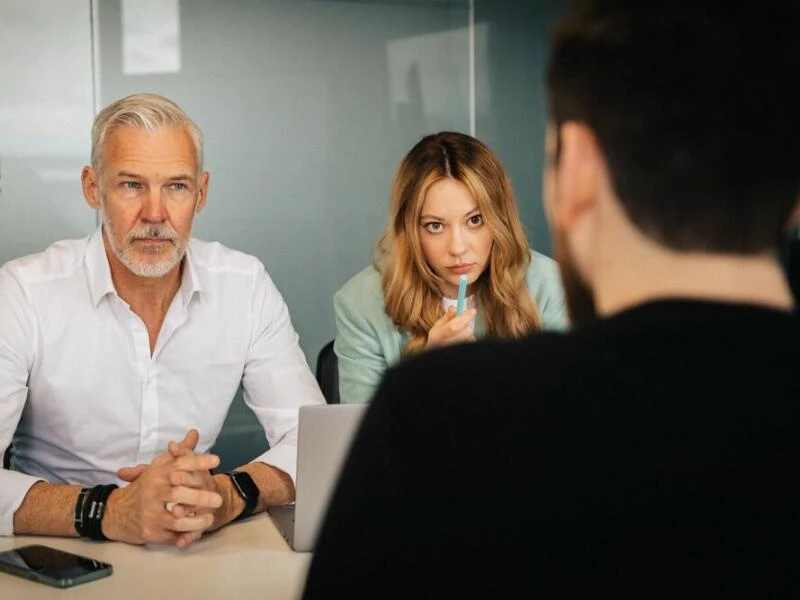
[411, 289]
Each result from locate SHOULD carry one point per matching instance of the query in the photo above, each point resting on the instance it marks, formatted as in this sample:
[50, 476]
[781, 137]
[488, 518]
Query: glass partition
[307, 108]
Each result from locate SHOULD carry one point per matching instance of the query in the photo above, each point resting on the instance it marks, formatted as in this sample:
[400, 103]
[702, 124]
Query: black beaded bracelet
[89, 511]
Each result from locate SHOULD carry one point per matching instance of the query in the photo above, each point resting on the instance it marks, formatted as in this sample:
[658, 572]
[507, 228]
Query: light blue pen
[462, 295]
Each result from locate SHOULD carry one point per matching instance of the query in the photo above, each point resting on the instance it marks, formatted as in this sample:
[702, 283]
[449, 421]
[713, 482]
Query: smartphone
[52, 566]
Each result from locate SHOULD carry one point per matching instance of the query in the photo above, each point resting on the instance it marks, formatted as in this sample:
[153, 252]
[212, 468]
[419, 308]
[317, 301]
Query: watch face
[245, 483]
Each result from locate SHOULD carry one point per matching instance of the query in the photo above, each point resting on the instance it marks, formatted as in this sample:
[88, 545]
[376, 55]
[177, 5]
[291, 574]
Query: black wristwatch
[247, 489]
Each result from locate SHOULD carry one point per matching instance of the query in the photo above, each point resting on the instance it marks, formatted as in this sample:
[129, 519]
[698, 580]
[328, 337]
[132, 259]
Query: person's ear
[794, 218]
[579, 174]
[548, 175]
[90, 183]
[202, 192]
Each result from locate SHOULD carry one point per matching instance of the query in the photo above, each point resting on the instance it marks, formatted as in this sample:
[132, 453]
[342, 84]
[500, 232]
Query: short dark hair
[696, 107]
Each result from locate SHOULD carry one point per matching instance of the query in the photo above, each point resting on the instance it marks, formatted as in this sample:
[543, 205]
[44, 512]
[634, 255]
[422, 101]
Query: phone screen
[52, 566]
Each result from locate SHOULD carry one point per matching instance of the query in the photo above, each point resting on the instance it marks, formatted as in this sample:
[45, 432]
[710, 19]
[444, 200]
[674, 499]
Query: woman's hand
[452, 329]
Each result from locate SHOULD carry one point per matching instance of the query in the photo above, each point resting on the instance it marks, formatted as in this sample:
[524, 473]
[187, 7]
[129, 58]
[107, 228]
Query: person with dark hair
[654, 449]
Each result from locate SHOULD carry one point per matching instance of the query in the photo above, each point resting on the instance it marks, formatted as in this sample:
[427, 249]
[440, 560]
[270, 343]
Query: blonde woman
[452, 213]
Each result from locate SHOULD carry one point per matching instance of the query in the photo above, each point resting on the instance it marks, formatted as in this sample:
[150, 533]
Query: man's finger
[193, 523]
[131, 474]
[184, 539]
[182, 510]
[190, 440]
[175, 449]
[160, 535]
[195, 479]
[196, 462]
[194, 497]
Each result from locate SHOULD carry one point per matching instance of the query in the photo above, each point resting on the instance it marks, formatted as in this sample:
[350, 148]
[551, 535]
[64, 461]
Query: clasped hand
[172, 500]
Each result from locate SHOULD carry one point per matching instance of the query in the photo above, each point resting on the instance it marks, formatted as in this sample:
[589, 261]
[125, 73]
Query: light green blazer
[367, 342]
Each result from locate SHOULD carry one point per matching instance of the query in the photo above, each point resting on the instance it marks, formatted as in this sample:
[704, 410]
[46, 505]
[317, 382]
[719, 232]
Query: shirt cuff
[14, 487]
[283, 456]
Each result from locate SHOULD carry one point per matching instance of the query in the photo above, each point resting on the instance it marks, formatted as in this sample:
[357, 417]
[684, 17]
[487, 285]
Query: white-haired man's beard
[159, 261]
[579, 296]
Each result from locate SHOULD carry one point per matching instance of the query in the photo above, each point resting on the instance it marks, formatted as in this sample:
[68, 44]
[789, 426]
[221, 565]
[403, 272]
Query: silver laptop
[324, 435]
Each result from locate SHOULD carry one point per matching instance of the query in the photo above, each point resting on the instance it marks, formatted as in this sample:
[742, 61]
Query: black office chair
[328, 373]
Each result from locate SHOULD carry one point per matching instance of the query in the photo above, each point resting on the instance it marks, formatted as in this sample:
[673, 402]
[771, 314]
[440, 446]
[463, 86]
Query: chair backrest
[328, 373]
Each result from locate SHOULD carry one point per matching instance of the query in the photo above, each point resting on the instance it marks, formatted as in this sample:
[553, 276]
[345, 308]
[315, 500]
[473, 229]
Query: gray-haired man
[114, 346]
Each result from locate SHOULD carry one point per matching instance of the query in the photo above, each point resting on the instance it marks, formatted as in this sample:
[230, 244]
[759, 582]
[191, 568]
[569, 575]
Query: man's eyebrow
[129, 174]
[178, 177]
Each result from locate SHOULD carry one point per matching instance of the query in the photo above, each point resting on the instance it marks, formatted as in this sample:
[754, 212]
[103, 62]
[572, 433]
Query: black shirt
[654, 453]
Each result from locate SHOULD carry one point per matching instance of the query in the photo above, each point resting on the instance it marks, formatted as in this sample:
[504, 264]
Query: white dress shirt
[84, 394]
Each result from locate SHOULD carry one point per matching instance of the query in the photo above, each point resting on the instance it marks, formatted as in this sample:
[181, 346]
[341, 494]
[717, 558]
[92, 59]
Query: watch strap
[248, 491]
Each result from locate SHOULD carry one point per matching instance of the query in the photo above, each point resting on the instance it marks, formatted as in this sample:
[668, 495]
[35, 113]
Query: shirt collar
[190, 282]
[98, 271]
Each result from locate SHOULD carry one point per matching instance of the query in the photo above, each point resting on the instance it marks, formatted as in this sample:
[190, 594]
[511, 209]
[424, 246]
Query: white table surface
[242, 561]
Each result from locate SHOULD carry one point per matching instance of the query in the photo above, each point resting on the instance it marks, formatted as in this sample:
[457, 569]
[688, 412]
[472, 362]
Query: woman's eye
[433, 227]
[476, 220]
